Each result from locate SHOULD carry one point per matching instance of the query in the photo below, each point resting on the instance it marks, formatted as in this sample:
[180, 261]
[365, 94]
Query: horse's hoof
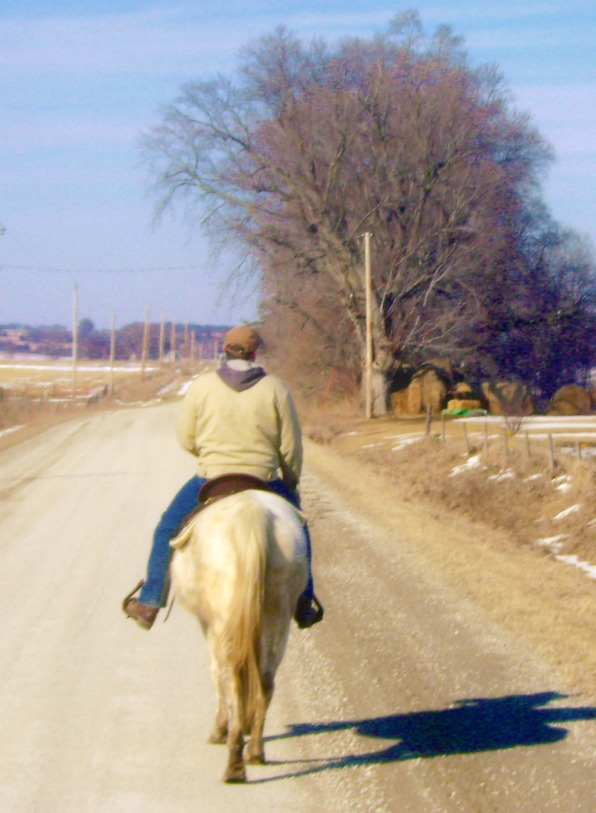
[254, 755]
[235, 777]
[218, 738]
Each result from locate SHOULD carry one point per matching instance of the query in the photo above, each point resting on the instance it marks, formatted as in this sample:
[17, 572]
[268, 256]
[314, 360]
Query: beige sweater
[252, 432]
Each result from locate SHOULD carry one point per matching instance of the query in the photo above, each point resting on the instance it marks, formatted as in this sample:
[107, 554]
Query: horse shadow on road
[471, 726]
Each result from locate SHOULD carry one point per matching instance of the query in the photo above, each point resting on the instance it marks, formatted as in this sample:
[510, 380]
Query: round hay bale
[414, 397]
[570, 400]
[399, 402]
[507, 398]
[463, 403]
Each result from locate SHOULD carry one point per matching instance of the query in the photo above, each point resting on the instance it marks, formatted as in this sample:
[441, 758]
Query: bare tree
[309, 147]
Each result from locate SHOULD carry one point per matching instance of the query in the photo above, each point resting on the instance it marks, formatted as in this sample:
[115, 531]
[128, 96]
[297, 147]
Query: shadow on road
[472, 726]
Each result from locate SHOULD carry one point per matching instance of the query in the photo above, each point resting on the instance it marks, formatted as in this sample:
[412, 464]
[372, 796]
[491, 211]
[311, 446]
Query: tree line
[55, 341]
[309, 145]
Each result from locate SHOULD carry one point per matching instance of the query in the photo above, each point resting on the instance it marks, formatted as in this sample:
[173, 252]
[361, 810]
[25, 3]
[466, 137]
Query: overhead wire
[54, 270]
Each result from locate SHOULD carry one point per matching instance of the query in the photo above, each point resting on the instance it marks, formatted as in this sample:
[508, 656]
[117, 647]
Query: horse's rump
[216, 552]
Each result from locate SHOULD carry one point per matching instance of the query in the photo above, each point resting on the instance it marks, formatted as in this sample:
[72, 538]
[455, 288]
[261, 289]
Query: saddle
[216, 489]
[227, 484]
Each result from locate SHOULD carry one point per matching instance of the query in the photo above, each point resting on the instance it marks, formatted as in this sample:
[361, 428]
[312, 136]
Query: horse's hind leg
[219, 734]
[235, 771]
[255, 750]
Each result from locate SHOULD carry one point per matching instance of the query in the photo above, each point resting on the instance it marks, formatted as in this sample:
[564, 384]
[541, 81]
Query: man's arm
[186, 426]
[290, 451]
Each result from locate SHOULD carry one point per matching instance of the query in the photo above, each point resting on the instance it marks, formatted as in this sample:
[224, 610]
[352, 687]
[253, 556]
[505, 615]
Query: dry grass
[511, 489]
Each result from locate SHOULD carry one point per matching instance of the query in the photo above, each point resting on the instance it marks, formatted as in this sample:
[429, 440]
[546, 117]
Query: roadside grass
[537, 499]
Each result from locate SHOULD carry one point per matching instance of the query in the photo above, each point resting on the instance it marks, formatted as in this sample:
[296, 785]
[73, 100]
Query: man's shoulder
[275, 383]
[203, 381]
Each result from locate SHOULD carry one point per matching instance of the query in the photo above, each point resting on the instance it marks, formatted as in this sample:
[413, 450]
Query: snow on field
[84, 368]
[585, 566]
[10, 430]
[471, 463]
[571, 510]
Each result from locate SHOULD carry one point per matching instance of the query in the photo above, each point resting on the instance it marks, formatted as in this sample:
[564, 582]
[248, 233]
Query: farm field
[43, 379]
[34, 392]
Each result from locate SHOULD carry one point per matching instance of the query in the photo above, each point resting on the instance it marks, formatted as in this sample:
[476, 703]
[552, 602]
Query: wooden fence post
[467, 438]
[505, 445]
[551, 446]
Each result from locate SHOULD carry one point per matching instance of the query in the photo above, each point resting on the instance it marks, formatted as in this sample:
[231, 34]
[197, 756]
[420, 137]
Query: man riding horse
[235, 420]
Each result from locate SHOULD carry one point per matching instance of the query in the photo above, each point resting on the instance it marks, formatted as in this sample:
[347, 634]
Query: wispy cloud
[134, 42]
[32, 132]
[176, 37]
[567, 112]
[531, 37]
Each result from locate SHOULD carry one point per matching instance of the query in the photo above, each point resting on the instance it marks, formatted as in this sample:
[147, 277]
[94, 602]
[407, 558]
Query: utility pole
[173, 342]
[75, 342]
[162, 340]
[112, 354]
[145, 351]
[369, 343]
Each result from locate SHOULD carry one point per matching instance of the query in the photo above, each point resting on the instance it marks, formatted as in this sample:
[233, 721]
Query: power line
[48, 270]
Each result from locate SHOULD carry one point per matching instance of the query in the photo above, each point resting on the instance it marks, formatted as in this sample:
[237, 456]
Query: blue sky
[80, 81]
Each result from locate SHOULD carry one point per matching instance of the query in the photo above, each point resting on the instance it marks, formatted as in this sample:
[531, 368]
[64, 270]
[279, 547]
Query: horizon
[57, 326]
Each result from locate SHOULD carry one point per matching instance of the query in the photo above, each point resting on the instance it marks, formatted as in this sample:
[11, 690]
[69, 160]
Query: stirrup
[319, 609]
[128, 597]
[307, 616]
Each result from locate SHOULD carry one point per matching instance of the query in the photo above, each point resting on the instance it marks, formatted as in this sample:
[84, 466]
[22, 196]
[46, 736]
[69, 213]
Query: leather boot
[308, 612]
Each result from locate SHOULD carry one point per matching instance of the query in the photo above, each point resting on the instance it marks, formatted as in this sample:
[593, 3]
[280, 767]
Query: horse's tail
[241, 636]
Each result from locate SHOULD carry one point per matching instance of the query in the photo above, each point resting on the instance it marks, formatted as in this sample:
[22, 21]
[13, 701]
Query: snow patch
[585, 566]
[11, 429]
[471, 463]
[507, 474]
[552, 542]
[567, 511]
[405, 442]
[562, 483]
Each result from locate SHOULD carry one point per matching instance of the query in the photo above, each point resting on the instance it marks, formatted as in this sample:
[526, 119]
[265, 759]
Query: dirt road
[409, 697]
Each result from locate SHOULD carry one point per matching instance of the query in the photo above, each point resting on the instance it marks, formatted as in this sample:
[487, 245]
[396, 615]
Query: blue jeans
[154, 591]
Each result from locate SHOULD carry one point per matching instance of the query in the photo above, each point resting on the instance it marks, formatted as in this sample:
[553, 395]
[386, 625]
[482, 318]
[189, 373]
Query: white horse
[240, 566]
